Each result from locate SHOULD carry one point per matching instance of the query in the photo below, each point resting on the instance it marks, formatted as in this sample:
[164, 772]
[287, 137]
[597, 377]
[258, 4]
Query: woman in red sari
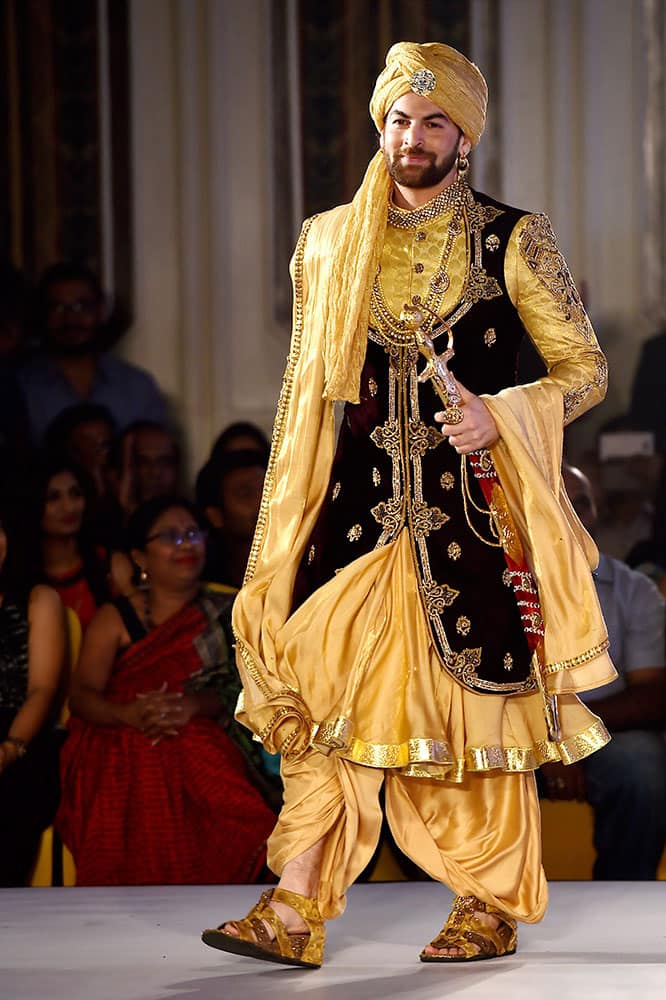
[154, 791]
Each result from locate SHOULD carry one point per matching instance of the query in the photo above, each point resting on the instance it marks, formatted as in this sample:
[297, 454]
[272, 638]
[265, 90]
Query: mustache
[413, 151]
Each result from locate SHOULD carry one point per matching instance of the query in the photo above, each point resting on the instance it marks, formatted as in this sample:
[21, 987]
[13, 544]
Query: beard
[426, 175]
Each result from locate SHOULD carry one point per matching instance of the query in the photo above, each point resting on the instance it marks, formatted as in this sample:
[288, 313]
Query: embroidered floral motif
[422, 437]
[311, 555]
[478, 216]
[489, 337]
[389, 514]
[492, 242]
[464, 665]
[463, 625]
[372, 387]
[454, 551]
[447, 480]
[355, 533]
[376, 477]
[481, 285]
[427, 519]
[437, 597]
[508, 661]
[387, 436]
[506, 577]
[336, 491]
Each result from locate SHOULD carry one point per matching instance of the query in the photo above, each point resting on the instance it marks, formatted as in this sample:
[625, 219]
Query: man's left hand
[477, 428]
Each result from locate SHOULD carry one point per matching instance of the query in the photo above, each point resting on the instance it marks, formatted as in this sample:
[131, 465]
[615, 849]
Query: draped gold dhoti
[458, 765]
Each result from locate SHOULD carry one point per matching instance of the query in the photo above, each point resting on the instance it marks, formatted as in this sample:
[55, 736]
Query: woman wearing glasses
[154, 790]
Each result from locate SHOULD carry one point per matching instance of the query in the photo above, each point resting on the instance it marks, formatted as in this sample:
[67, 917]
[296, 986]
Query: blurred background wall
[177, 144]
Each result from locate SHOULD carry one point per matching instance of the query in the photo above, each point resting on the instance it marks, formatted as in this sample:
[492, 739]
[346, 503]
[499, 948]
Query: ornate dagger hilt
[436, 368]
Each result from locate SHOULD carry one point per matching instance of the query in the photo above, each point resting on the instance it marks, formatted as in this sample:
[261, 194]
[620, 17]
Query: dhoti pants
[480, 837]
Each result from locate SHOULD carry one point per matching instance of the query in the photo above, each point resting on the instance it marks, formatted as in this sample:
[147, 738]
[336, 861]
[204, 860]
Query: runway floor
[601, 940]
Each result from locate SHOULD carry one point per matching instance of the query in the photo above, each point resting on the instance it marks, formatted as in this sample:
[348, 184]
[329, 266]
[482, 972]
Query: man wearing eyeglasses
[74, 365]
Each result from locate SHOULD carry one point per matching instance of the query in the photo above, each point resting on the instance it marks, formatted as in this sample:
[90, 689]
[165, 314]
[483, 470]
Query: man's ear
[215, 517]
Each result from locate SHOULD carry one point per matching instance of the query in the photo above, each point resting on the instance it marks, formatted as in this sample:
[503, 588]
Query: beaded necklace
[393, 330]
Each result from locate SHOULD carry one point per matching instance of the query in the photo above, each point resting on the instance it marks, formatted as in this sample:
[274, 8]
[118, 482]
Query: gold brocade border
[577, 661]
[427, 758]
[279, 426]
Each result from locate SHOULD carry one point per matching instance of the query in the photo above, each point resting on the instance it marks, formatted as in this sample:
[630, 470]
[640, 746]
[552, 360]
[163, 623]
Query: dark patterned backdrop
[342, 46]
[50, 168]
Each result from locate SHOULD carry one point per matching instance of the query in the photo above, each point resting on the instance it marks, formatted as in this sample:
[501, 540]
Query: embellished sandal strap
[464, 929]
[308, 909]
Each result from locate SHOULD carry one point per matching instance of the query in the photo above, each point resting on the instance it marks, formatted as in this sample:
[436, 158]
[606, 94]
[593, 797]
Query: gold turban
[450, 81]
[441, 74]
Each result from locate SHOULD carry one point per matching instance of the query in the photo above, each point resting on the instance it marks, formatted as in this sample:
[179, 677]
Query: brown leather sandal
[302, 949]
[464, 930]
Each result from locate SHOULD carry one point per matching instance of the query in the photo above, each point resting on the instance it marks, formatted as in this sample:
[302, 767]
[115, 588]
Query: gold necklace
[395, 331]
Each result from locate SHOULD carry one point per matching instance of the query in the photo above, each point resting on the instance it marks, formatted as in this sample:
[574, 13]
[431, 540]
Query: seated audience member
[241, 436]
[69, 559]
[154, 791]
[144, 463]
[75, 365]
[84, 433]
[625, 782]
[228, 491]
[32, 654]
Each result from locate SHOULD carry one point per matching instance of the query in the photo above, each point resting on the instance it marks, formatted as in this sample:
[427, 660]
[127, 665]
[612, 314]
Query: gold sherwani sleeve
[542, 290]
[528, 456]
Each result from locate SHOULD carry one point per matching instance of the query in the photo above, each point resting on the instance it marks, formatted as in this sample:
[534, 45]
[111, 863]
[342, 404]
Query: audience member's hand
[564, 782]
[164, 713]
[8, 754]
[477, 428]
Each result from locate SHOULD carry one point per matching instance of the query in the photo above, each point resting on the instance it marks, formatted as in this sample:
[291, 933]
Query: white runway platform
[602, 940]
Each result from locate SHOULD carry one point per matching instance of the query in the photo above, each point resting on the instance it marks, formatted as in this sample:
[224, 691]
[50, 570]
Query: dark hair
[214, 472]
[68, 270]
[18, 574]
[45, 468]
[116, 453]
[142, 521]
[239, 429]
[59, 431]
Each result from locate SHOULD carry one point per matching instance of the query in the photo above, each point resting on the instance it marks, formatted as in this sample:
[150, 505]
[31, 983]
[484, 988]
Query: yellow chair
[55, 864]
[567, 830]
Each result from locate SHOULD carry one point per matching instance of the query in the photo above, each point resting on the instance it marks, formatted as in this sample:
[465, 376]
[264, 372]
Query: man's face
[155, 464]
[420, 143]
[73, 317]
[240, 499]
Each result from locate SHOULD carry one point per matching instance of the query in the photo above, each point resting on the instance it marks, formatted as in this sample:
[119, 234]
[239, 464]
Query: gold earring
[143, 578]
[462, 163]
